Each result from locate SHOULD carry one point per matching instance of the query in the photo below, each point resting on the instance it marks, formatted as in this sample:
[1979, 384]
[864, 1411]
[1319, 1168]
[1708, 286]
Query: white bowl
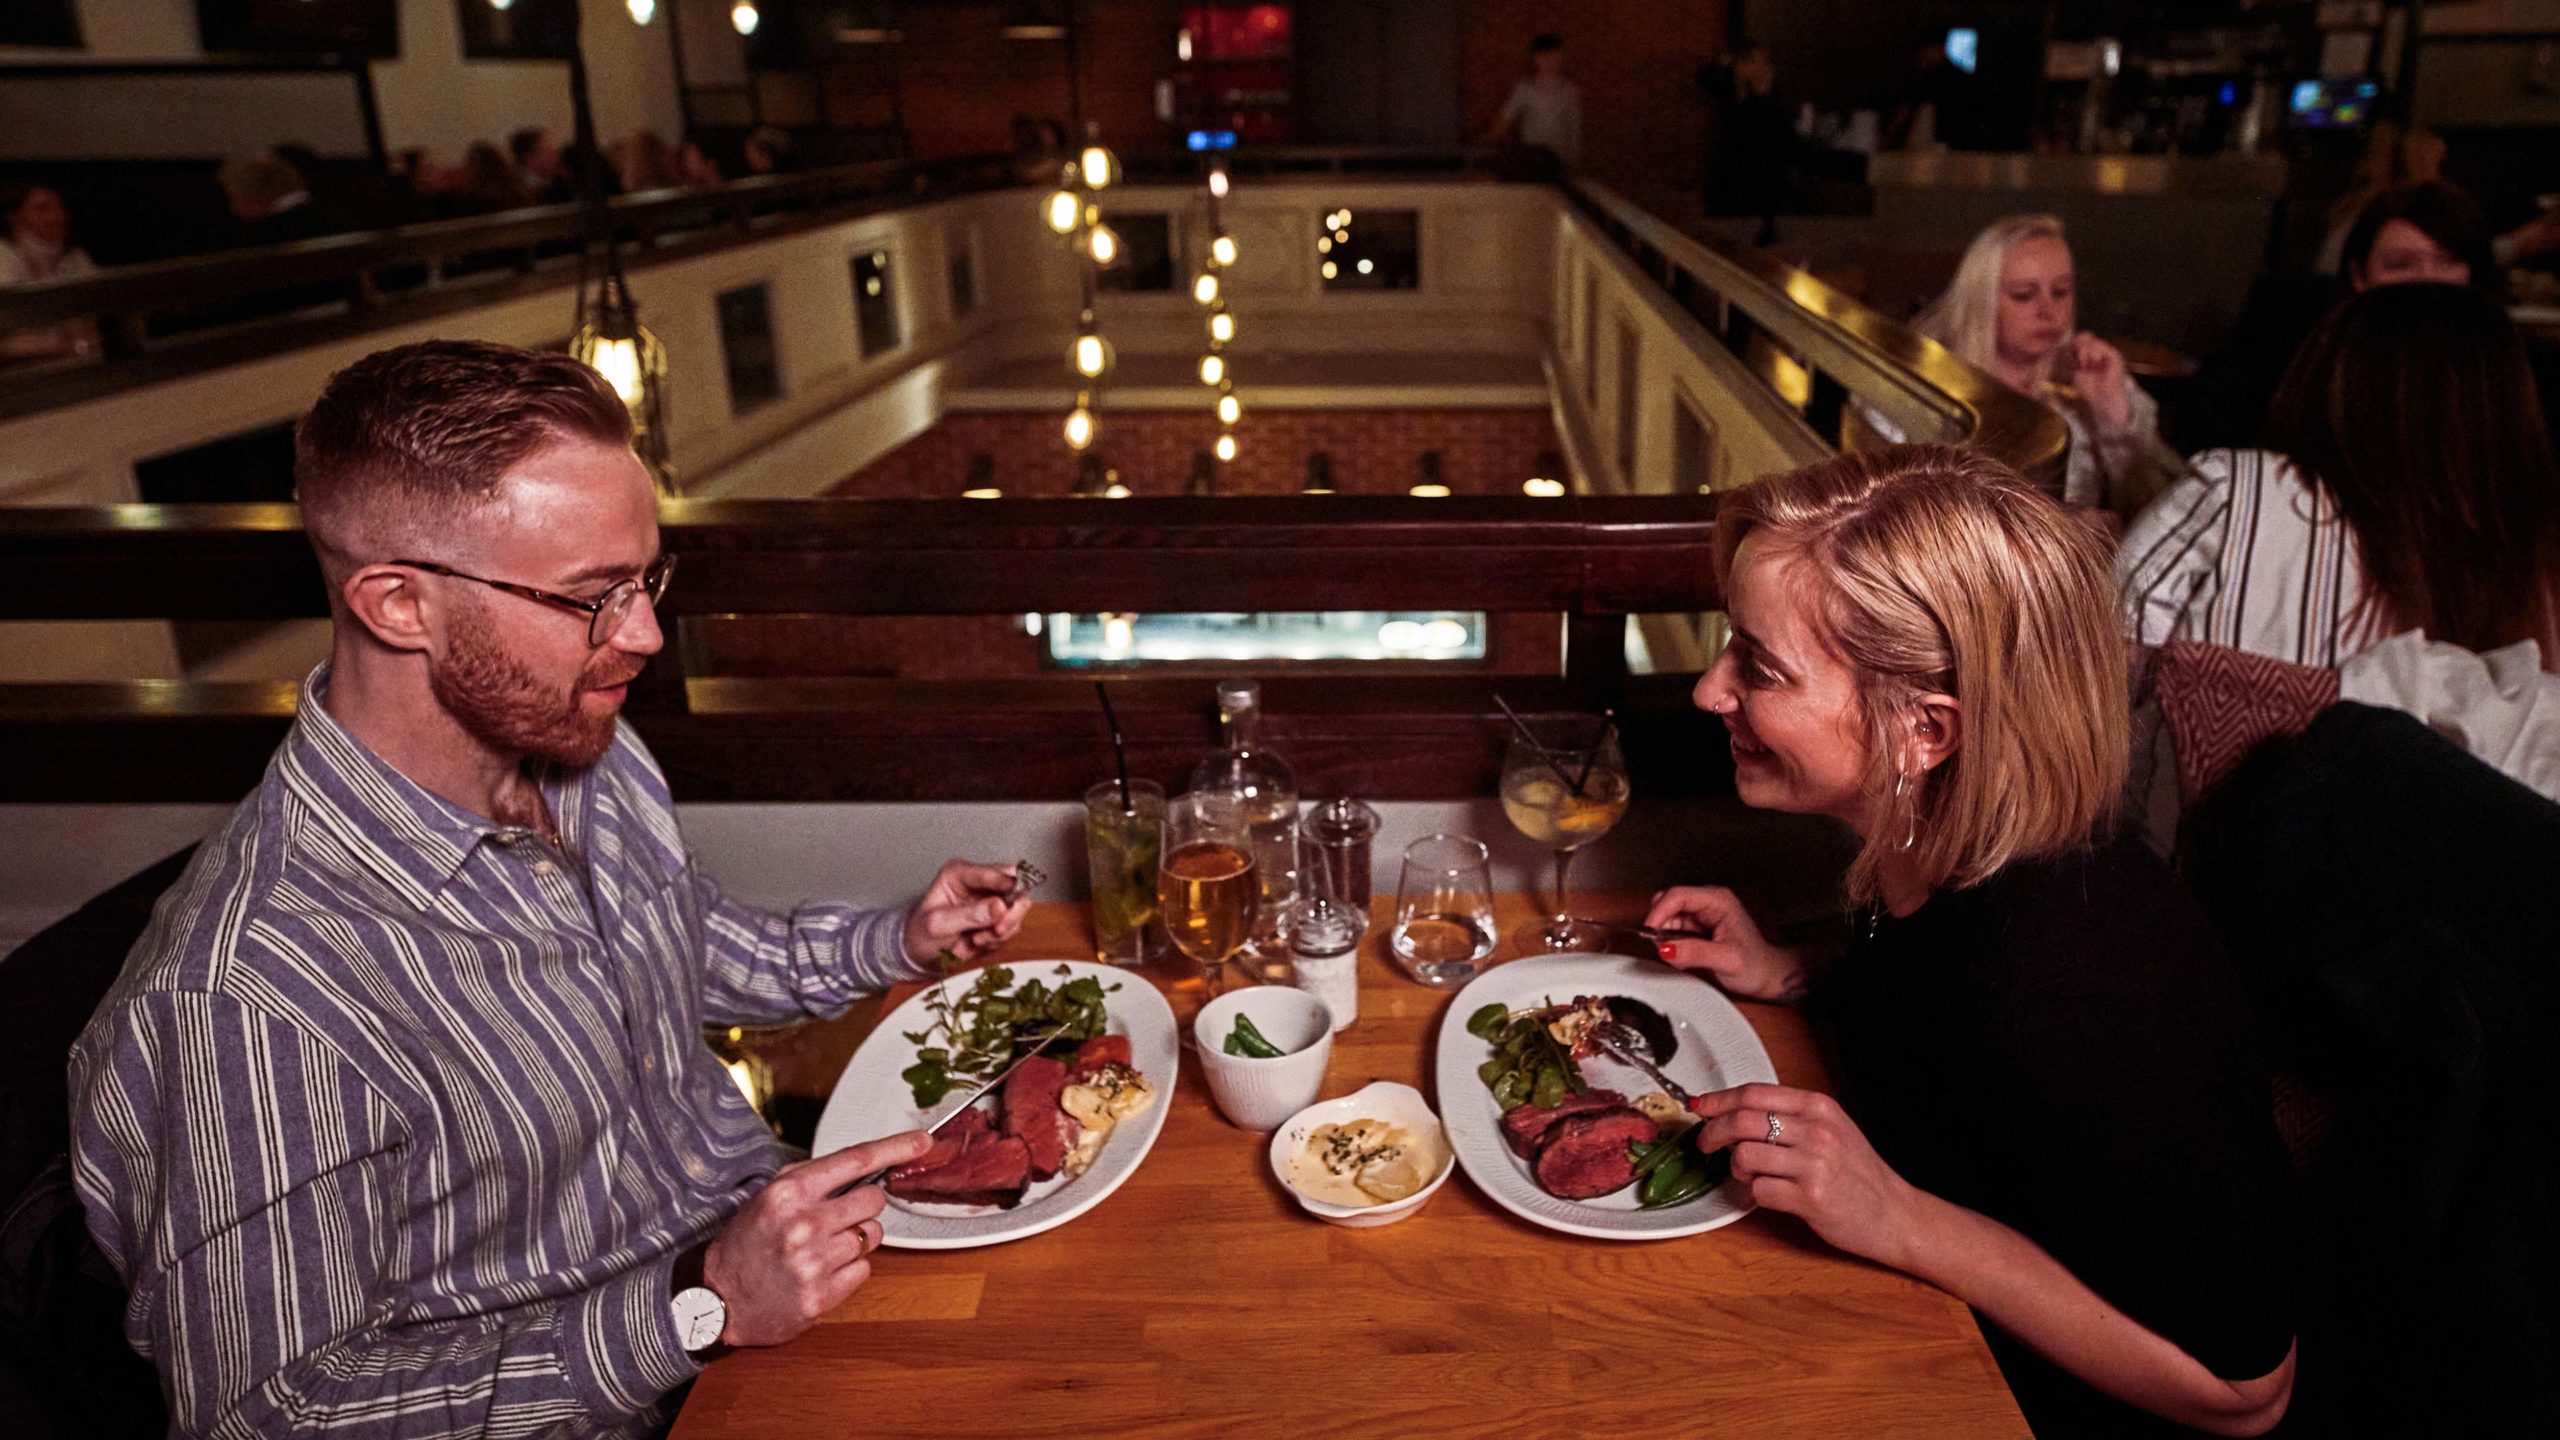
[1398, 1105]
[1259, 1094]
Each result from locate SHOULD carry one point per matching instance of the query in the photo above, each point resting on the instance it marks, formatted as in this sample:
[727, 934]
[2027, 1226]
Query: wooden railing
[1591, 562]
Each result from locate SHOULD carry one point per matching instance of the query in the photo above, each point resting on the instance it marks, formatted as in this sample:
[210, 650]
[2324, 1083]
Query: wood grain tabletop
[1199, 1300]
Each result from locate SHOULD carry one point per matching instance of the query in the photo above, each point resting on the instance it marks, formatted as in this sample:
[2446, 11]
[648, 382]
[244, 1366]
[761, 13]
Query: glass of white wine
[1205, 884]
[1564, 785]
[1444, 910]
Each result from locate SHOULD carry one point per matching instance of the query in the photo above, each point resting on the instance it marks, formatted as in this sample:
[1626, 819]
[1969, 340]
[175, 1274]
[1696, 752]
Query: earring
[1902, 788]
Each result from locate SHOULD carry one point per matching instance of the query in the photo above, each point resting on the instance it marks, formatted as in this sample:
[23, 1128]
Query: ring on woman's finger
[1777, 1127]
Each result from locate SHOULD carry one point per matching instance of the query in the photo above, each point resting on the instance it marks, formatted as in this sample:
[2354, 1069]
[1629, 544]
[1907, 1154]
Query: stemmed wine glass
[1205, 884]
[1564, 784]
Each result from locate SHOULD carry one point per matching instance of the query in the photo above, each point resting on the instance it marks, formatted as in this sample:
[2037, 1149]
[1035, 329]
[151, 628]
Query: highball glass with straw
[1564, 785]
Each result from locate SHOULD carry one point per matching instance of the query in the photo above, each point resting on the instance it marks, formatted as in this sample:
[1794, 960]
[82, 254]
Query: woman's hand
[1737, 958]
[1815, 1164]
[2097, 372]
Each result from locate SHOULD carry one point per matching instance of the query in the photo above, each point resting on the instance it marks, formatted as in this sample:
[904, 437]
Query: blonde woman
[2013, 310]
[2051, 1105]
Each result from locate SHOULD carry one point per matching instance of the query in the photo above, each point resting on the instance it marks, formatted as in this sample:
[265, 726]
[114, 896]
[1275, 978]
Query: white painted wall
[429, 96]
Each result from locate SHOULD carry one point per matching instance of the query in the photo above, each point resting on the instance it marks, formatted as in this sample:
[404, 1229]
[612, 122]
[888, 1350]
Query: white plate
[1717, 1051]
[871, 1101]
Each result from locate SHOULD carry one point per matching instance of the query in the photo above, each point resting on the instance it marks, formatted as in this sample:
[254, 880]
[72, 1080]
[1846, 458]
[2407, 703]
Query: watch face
[700, 1317]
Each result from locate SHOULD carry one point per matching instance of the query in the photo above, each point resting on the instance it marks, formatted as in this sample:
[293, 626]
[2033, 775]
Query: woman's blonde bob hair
[1966, 318]
[1938, 571]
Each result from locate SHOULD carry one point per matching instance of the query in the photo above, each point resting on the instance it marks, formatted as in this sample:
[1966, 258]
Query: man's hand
[797, 1249]
[964, 912]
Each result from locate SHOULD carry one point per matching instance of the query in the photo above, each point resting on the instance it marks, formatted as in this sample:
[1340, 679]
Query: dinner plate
[1717, 1051]
[870, 1101]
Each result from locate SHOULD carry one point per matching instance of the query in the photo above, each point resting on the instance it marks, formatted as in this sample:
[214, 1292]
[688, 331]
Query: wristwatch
[700, 1312]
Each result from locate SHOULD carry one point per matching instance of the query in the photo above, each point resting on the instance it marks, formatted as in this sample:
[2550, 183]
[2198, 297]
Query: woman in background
[37, 246]
[2051, 1105]
[2013, 310]
[2405, 481]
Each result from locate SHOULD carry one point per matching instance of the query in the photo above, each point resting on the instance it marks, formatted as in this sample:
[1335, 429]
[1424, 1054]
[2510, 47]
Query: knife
[1655, 933]
[974, 1096]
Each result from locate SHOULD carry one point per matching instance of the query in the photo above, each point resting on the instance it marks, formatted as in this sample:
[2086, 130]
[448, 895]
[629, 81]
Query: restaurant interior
[1105, 437]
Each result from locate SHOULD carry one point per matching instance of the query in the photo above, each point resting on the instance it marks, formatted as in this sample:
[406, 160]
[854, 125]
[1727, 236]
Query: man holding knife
[399, 1120]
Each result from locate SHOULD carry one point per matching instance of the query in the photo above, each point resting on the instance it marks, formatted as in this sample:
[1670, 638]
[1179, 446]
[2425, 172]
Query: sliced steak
[1585, 1156]
[969, 1164]
[1525, 1125]
[1032, 1116]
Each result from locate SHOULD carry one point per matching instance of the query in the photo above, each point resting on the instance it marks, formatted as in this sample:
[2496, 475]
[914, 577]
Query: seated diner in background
[399, 1120]
[2052, 1105]
[2013, 310]
[2406, 482]
[37, 246]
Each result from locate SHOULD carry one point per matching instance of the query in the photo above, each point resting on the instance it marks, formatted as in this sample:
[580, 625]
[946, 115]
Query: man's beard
[491, 694]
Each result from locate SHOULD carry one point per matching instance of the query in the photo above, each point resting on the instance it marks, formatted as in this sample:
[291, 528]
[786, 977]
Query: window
[297, 27]
[1693, 449]
[1146, 253]
[962, 248]
[1627, 404]
[525, 30]
[746, 346]
[875, 303]
[40, 22]
[1398, 636]
[1369, 250]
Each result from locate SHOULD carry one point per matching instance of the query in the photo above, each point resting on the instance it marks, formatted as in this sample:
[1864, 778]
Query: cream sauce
[1364, 1163]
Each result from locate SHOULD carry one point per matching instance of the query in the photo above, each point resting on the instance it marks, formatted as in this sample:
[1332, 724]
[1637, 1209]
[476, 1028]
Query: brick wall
[1643, 121]
[962, 81]
[1482, 452]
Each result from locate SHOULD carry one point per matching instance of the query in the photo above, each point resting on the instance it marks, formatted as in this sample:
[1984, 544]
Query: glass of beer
[1122, 844]
[1564, 785]
[1205, 885]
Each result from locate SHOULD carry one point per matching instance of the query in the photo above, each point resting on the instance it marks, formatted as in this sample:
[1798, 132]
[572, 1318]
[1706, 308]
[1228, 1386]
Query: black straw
[1119, 747]
[1530, 739]
[1608, 722]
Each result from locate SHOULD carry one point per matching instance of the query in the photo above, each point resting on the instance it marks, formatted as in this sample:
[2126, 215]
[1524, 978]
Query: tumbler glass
[1444, 910]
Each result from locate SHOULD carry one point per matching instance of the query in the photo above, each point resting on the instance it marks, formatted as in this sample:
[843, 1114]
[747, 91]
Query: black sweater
[2064, 1048]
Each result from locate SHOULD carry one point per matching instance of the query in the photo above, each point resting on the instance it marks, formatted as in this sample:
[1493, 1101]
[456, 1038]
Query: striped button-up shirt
[2246, 552]
[398, 1117]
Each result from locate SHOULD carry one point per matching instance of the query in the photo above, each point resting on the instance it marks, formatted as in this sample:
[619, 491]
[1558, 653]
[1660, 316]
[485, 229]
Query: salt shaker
[1324, 944]
[1340, 830]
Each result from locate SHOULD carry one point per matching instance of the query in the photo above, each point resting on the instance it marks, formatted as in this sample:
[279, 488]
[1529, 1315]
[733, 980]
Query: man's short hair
[407, 441]
[1546, 44]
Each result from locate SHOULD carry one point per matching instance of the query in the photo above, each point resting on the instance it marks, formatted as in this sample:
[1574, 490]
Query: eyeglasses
[604, 613]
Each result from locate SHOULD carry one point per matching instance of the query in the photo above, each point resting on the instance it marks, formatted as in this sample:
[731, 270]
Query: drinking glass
[1122, 844]
[1564, 785]
[1205, 885]
[1444, 910]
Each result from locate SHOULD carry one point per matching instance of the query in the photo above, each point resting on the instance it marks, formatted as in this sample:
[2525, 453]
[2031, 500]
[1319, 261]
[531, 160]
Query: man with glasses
[399, 1120]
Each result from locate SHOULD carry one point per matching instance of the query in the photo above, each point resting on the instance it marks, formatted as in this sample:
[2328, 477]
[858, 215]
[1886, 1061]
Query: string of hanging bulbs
[1074, 214]
[1210, 290]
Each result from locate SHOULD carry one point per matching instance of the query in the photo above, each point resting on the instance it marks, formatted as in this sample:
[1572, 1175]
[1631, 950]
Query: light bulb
[982, 492]
[1341, 237]
[1330, 270]
[618, 361]
[642, 11]
[1079, 428]
[1542, 487]
[1230, 410]
[502, 4]
[1324, 244]
[1116, 491]
[1182, 44]
[1430, 492]
[1345, 222]
[1367, 265]
[1090, 357]
[1218, 183]
[1333, 219]
[1222, 327]
[743, 17]
[1063, 211]
[1096, 164]
[1213, 368]
[1226, 447]
[1223, 250]
[1205, 289]
[1103, 244]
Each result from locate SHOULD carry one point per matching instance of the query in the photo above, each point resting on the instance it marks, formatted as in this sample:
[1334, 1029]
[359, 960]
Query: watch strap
[688, 1276]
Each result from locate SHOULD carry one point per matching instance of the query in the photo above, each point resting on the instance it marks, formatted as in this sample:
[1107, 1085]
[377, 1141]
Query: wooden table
[1200, 1301]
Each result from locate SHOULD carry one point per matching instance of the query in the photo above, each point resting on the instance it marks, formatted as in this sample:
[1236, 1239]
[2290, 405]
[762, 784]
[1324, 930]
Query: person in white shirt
[2407, 483]
[1544, 111]
[38, 247]
[2012, 310]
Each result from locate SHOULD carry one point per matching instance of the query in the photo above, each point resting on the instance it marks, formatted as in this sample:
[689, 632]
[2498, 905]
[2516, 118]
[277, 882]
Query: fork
[1628, 1045]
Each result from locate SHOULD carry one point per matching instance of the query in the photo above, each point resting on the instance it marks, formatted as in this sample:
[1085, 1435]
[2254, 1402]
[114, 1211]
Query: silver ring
[1777, 1127]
